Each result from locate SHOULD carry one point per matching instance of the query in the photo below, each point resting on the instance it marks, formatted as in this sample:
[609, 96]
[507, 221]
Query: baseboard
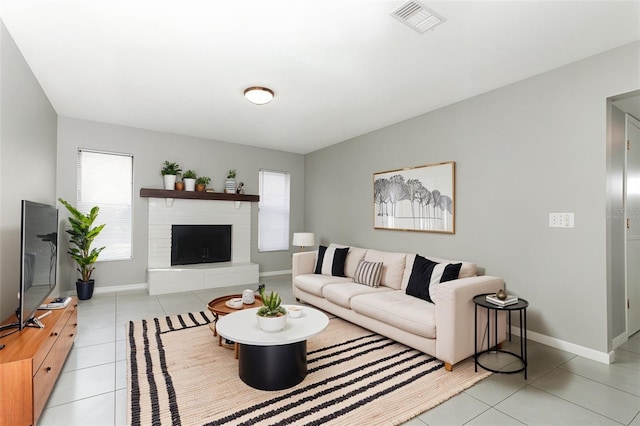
[619, 340]
[272, 273]
[113, 288]
[592, 354]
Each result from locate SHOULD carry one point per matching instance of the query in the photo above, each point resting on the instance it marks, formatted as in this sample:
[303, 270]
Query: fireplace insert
[192, 244]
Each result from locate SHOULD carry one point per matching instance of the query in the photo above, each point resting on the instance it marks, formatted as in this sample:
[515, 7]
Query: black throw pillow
[420, 278]
[321, 251]
[339, 259]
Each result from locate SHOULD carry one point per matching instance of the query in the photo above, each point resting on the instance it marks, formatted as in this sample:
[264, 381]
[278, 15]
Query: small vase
[189, 184]
[501, 294]
[169, 181]
[179, 186]
[200, 187]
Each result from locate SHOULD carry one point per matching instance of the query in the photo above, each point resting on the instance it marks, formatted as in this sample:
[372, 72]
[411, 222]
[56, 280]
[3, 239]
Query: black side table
[521, 307]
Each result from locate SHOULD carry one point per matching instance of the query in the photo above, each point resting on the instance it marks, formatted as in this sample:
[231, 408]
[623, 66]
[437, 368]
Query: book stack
[510, 300]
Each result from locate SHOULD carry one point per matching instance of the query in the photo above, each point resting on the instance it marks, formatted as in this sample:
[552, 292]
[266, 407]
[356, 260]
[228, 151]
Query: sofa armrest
[303, 262]
[455, 316]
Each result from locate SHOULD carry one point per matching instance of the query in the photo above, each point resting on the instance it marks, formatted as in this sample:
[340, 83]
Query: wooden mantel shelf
[194, 195]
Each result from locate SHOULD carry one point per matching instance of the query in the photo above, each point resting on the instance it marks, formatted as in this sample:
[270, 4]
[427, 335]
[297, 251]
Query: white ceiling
[340, 68]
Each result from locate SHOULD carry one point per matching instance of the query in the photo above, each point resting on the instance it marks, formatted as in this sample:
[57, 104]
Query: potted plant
[169, 172]
[83, 232]
[189, 179]
[202, 182]
[272, 316]
[230, 182]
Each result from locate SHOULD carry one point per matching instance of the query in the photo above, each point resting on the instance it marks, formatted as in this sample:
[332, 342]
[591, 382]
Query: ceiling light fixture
[259, 95]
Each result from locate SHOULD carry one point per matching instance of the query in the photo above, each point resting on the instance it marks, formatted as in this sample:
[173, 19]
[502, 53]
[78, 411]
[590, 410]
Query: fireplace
[196, 244]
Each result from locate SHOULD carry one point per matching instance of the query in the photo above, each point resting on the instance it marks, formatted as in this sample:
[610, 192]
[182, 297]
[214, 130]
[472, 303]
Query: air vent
[417, 16]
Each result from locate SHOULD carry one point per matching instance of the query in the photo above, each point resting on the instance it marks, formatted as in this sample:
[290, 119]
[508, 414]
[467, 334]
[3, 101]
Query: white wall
[150, 149]
[522, 151]
[27, 159]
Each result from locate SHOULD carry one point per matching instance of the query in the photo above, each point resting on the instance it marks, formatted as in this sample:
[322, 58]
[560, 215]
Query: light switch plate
[561, 220]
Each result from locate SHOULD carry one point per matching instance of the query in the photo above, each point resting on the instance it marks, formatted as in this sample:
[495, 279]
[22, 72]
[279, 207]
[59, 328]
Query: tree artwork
[417, 199]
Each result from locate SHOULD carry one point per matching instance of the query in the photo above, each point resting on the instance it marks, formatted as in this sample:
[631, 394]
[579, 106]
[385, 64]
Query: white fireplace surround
[162, 278]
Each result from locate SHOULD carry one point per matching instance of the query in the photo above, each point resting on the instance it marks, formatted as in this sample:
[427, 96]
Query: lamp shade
[304, 239]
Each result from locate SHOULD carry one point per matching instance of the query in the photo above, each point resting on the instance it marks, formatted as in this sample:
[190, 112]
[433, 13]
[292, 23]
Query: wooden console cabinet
[30, 363]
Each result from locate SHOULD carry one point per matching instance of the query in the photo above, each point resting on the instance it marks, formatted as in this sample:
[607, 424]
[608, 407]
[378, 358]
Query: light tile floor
[562, 389]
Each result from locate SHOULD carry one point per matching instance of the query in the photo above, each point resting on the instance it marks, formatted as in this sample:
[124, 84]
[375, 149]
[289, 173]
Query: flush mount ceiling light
[259, 95]
[417, 16]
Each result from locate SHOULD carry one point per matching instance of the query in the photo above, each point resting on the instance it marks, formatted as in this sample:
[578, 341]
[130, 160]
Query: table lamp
[303, 239]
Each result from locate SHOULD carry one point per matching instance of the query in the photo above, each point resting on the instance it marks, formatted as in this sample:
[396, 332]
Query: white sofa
[443, 328]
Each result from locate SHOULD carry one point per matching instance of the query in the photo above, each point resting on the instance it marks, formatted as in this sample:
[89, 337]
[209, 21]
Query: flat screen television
[38, 258]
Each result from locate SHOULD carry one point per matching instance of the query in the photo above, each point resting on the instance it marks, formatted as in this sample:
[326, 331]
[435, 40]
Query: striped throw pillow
[368, 273]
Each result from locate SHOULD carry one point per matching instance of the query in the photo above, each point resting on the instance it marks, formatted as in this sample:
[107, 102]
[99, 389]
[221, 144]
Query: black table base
[273, 367]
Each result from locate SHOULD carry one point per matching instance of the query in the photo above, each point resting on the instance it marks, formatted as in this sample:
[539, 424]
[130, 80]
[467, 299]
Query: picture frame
[420, 198]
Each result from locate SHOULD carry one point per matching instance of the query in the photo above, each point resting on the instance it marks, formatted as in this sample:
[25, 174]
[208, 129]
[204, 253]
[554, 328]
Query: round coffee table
[272, 361]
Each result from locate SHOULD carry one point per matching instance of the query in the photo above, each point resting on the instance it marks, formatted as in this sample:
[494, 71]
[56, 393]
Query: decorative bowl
[235, 303]
[294, 311]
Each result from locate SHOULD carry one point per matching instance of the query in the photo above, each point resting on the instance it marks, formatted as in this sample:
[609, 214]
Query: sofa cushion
[313, 283]
[468, 269]
[331, 261]
[392, 266]
[400, 310]
[426, 275]
[341, 294]
[353, 257]
[368, 273]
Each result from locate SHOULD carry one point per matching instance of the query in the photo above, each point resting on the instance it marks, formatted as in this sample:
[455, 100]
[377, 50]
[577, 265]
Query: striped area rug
[178, 375]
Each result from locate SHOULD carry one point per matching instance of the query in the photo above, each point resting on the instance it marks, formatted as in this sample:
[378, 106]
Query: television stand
[31, 362]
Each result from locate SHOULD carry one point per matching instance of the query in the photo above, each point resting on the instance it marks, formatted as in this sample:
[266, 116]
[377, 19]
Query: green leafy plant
[189, 174]
[170, 169]
[231, 174]
[82, 235]
[203, 180]
[272, 302]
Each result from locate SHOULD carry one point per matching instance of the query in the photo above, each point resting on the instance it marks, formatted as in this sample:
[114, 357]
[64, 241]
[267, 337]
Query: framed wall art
[416, 199]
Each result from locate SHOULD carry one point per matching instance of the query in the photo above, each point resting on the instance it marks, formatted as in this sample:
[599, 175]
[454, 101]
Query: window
[106, 180]
[273, 211]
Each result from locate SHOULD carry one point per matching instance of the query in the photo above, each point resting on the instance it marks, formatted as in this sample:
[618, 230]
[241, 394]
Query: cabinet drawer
[46, 346]
[44, 380]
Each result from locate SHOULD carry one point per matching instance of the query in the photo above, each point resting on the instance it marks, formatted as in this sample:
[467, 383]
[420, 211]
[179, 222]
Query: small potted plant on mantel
[189, 179]
[82, 235]
[272, 316]
[230, 182]
[170, 172]
[202, 182]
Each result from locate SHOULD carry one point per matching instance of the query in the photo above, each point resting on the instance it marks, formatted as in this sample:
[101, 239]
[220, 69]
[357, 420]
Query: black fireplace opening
[192, 244]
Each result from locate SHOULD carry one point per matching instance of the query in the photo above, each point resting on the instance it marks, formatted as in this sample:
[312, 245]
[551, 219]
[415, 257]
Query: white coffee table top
[242, 327]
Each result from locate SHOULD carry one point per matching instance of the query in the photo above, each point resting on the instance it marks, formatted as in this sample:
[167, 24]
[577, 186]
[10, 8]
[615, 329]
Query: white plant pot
[169, 181]
[189, 184]
[271, 324]
[230, 186]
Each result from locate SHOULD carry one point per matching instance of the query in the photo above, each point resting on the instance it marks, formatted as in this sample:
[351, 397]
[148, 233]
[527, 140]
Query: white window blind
[273, 211]
[106, 180]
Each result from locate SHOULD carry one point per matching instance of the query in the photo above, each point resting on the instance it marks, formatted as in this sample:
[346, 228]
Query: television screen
[39, 257]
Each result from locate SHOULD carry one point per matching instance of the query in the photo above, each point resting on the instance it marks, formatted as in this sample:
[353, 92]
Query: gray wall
[150, 149]
[521, 152]
[27, 159]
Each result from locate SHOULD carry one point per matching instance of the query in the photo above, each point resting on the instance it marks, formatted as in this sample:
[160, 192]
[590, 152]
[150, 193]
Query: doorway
[632, 211]
[623, 257]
